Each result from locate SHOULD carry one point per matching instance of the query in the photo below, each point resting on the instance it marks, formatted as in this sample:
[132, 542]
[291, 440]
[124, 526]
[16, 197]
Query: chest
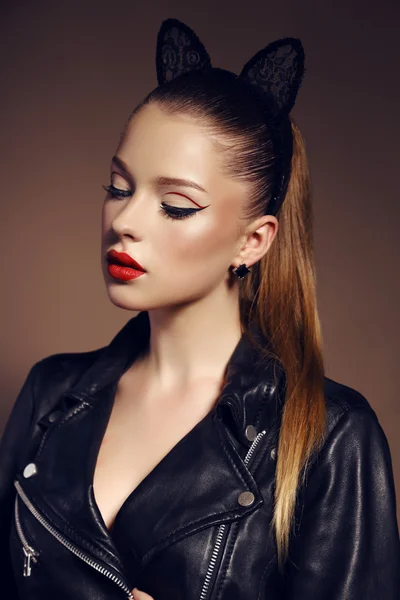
[200, 510]
[138, 437]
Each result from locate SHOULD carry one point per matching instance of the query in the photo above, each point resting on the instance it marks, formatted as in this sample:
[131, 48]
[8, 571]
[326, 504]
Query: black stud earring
[241, 271]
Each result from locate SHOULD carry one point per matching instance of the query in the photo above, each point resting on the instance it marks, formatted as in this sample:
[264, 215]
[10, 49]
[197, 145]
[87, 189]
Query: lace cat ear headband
[277, 70]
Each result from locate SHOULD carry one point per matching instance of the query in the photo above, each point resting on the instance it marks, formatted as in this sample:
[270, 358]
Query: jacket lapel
[197, 484]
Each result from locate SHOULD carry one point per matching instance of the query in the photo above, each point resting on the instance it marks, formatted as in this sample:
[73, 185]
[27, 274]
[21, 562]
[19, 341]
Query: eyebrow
[160, 180]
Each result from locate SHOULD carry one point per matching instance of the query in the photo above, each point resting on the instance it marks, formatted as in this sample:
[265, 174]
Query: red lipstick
[122, 266]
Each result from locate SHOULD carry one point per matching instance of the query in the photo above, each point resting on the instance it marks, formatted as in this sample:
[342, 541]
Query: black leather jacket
[198, 526]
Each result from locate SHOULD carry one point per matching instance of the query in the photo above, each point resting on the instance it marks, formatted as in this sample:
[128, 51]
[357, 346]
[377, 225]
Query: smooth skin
[188, 289]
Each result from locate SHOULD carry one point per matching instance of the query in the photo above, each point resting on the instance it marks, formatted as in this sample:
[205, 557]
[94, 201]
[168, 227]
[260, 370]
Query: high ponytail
[280, 291]
[286, 312]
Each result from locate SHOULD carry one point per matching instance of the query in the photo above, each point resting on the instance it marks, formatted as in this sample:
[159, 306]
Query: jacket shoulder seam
[346, 411]
[335, 397]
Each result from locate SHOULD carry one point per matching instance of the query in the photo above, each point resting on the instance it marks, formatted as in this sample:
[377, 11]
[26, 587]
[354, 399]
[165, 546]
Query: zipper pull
[29, 554]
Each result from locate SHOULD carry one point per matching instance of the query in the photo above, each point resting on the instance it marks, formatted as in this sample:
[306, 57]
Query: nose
[131, 217]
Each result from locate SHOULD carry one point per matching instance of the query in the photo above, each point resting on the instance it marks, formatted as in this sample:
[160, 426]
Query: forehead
[155, 139]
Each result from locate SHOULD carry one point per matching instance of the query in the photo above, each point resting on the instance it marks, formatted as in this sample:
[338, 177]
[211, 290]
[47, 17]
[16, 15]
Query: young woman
[203, 454]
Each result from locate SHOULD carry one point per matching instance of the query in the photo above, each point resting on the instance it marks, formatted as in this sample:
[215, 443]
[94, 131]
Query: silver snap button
[30, 470]
[251, 432]
[246, 498]
[273, 453]
[53, 416]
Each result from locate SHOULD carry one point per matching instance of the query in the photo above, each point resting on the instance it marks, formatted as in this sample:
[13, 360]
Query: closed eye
[171, 212]
[175, 212]
[116, 192]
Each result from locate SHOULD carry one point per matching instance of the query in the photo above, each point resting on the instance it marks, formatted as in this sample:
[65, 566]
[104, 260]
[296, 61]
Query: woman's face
[184, 259]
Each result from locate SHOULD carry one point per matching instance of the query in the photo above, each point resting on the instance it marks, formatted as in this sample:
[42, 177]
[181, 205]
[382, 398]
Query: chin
[118, 299]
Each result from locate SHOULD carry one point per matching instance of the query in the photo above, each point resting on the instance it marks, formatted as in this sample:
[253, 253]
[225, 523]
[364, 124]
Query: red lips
[122, 258]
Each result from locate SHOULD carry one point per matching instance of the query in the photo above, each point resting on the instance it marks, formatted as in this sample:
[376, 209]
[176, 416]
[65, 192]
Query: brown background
[71, 74]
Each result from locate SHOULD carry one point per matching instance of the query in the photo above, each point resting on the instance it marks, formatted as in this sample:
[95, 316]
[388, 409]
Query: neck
[192, 343]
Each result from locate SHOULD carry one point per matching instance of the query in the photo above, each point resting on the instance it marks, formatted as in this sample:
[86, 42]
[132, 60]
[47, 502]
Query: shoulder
[346, 506]
[44, 383]
[353, 430]
[352, 472]
[52, 375]
[341, 399]
[339, 395]
[64, 368]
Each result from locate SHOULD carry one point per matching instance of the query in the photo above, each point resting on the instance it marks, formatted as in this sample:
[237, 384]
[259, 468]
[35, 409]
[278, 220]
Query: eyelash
[171, 212]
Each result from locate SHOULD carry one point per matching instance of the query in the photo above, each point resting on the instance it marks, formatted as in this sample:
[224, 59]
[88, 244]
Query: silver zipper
[221, 529]
[253, 446]
[29, 552]
[74, 549]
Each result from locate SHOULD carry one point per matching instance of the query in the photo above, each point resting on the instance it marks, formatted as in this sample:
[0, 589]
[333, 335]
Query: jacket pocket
[215, 564]
[30, 553]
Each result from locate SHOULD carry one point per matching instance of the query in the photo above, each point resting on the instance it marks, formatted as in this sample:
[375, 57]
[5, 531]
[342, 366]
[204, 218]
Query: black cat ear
[178, 51]
[278, 69]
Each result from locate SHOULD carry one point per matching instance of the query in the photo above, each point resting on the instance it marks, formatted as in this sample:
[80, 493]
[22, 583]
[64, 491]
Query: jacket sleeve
[12, 445]
[346, 545]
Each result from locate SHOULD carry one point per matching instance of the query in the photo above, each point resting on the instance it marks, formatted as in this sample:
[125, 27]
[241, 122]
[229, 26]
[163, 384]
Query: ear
[278, 69]
[178, 51]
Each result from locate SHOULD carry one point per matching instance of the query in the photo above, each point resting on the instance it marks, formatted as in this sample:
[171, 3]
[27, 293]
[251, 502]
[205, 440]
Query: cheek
[197, 242]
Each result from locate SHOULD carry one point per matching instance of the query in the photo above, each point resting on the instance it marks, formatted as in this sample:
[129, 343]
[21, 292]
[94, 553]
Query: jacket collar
[251, 382]
[212, 471]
